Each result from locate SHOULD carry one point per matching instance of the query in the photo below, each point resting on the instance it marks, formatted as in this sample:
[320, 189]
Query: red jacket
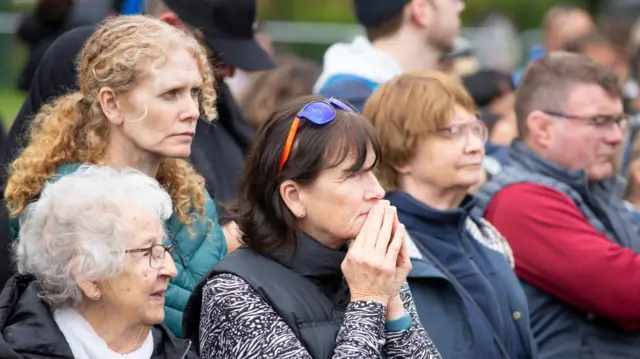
[557, 250]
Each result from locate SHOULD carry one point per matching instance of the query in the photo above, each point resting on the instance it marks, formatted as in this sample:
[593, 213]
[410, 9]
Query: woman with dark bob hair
[323, 270]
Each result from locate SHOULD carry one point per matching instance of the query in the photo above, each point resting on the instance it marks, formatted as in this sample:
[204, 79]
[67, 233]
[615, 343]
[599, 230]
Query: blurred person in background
[142, 85]
[460, 61]
[432, 144]
[50, 19]
[497, 42]
[293, 77]
[402, 36]
[561, 25]
[493, 92]
[323, 274]
[596, 47]
[581, 274]
[94, 270]
[242, 80]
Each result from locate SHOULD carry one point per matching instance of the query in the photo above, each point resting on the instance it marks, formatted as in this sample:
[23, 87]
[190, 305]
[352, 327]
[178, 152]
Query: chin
[177, 153]
[601, 173]
[154, 316]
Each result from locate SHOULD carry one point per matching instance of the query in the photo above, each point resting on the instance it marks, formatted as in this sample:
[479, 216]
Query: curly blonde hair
[73, 129]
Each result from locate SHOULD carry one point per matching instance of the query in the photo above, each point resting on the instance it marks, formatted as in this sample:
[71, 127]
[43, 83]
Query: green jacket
[196, 254]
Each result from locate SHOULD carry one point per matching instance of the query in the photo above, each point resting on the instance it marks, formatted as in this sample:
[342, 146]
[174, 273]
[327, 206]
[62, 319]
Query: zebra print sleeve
[236, 322]
[413, 342]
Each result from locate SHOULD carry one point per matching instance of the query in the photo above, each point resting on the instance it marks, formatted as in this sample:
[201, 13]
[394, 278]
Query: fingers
[396, 244]
[404, 250]
[384, 236]
[368, 236]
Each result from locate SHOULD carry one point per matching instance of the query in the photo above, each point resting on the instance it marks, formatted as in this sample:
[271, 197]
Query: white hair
[79, 228]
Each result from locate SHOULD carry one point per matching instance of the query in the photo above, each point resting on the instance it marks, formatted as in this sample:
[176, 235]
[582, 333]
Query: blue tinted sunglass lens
[341, 105]
[318, 113]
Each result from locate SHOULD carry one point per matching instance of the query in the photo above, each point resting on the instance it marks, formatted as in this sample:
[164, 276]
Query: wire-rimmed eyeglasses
[156, 253]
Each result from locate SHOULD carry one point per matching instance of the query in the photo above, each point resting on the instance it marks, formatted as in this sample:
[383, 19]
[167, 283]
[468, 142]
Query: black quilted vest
[306, 289]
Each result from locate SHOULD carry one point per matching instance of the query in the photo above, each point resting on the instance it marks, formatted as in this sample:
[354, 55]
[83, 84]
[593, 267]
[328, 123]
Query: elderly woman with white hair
[93, 272]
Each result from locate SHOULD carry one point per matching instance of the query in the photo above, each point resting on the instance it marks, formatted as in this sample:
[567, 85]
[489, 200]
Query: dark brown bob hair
[263, 218]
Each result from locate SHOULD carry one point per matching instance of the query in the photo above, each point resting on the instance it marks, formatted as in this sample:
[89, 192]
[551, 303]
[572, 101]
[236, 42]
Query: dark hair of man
[385, 29]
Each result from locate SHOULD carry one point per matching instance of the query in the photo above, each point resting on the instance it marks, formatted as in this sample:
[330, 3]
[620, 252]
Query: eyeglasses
[459, 132]
[155, 253]
[318, 113]
[599, 121]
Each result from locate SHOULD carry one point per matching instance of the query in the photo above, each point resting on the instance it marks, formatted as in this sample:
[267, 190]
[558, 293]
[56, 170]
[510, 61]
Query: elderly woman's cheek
[137, 292]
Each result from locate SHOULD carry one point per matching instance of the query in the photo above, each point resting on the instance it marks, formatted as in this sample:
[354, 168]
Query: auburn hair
[405, 110]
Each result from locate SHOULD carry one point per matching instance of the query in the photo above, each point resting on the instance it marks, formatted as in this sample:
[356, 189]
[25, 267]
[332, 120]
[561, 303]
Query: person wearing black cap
[228, 28]
[402, 36]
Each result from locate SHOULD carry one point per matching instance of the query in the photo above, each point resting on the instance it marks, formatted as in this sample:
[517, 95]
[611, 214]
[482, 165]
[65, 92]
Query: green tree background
[526, 14]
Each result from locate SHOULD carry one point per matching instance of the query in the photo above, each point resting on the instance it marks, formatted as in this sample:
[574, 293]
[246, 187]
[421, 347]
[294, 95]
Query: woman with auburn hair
[143, 84]
[432, 143]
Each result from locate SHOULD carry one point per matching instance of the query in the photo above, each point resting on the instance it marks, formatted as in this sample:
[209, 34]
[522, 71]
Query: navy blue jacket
[455, 324]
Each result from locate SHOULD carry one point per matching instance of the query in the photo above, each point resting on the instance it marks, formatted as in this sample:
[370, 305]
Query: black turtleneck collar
[319, 264]
[312, 259]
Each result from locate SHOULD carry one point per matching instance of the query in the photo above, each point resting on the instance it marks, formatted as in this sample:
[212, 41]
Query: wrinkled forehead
[591, 99]
[174, 69]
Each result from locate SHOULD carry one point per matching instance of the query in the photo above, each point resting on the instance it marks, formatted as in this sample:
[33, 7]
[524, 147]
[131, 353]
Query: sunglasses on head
[318, 113]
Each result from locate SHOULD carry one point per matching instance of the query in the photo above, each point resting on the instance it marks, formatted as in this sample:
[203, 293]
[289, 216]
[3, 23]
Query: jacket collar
[426, 215]
[523, 156]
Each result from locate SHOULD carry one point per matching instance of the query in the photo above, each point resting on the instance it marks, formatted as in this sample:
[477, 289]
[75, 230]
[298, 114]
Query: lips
[158, 295]
[190, 134]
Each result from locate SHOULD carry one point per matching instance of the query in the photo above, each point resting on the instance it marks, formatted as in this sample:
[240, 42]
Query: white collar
[85, 342]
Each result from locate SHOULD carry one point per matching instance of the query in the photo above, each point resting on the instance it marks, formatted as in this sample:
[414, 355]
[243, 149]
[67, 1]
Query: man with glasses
[558, 203]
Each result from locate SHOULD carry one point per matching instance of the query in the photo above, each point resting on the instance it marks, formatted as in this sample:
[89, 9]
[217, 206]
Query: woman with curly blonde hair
[143, 84]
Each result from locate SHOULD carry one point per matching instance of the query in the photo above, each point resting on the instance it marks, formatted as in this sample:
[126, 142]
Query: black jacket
[308, 292]
[28, 331]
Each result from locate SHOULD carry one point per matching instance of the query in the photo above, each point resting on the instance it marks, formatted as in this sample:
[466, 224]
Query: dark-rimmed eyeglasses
[155, 253]
[600, 121]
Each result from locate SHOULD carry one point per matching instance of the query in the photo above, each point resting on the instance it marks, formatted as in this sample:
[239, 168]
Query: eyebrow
[150, 241]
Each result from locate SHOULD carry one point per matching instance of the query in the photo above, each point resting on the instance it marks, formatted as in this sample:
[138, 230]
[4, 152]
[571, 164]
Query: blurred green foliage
[526, 14]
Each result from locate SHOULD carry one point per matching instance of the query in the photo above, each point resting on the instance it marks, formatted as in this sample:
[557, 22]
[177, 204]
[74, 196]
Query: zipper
[186, 351]
[463, 245]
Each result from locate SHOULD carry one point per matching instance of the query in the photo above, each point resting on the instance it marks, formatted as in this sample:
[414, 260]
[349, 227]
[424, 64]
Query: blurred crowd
[176, 188]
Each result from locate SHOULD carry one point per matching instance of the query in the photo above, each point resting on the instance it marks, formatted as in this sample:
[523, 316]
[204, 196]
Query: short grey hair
[78, 230]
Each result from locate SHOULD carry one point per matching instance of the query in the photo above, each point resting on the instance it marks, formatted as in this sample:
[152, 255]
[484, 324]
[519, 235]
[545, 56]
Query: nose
[474, 144]
[615, 134]
[168, 267]
[191, 110]
[374, 190]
